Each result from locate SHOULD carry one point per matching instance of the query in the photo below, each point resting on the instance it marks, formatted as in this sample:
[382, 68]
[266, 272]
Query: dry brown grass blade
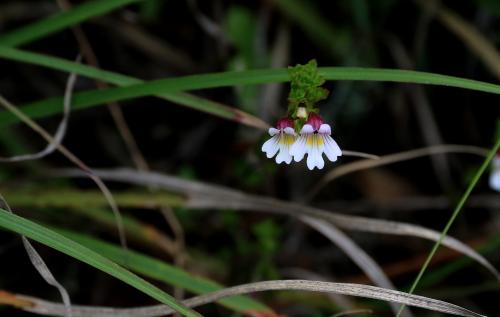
[202, 196]
[353, 311]
[341, 301]
[61, 128]
[129, 141]
[48, 308]
[113, 107]
[395, 158]
[52, 145]
[75, 160]
[360, 154]
[356, 254]
[42, 267]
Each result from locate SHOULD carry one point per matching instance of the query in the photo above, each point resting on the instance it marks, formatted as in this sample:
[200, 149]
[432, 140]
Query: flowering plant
[303, 131]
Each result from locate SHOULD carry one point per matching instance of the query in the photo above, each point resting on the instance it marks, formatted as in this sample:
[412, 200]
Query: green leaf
[164, 272]
[87, 99]
[58, 242]
[306, 87]
[61, 21]
[184, 99]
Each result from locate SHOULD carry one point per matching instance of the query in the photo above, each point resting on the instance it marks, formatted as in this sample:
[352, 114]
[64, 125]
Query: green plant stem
[455, 214]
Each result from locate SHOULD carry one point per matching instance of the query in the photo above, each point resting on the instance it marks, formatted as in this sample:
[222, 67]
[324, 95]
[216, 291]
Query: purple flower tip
[315, 121]
[284, 123]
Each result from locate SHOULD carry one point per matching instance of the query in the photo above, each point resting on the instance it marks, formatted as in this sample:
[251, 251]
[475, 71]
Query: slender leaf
[166, 87]
[369, 266]
[358, 290]
[455, 214]
[437, 275]
[61, 21]
[184, 99]
[60, 131]
[74, 198]
[164, 272]
[203, 195]
[58, 242]
[251, 77]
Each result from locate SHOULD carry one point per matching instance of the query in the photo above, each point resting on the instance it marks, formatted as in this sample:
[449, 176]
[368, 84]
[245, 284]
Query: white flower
[315, 140]
[495, 174]
[281, 139]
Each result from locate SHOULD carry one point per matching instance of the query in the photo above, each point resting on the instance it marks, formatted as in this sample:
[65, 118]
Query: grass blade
[356, 253]
[349, 289]
[455, 214]
[61, 128]
[398, 157]
[61, 21]
[184, 99]
[251, 77]
[90, 199]
[58, 242]
[42, 268]
[437, 275]
[202, 196]
[164, 272]
[165, 87]
[74, 159]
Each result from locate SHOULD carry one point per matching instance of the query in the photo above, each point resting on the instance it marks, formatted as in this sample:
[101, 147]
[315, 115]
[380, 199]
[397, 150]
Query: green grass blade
[61, 21]
[58, 242]
[43, 197]
[164, 272]
[454, 215]
[213, 80]
[184, 99]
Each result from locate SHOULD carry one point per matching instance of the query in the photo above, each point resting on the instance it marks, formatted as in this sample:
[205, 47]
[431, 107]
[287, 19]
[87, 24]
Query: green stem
[455, 214]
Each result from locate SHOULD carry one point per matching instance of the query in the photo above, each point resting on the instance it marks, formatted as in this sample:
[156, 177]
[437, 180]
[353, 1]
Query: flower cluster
[314, 139]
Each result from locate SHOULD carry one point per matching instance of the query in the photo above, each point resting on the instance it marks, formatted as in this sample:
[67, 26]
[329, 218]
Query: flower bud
[302, 113]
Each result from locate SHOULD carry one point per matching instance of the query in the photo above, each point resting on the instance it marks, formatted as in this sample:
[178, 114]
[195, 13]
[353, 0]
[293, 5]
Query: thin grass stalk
[454, 215]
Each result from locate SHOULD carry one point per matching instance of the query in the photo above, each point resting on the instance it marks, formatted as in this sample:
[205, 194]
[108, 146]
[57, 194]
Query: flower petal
[307, 129]
[325, 129]
[496, 161]
[311, 161]
[271, 146]
[298, 149]
[495, 180]
[283, 156]
[273, 131]
[289, 130]
[332, 150]
[314, 159]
